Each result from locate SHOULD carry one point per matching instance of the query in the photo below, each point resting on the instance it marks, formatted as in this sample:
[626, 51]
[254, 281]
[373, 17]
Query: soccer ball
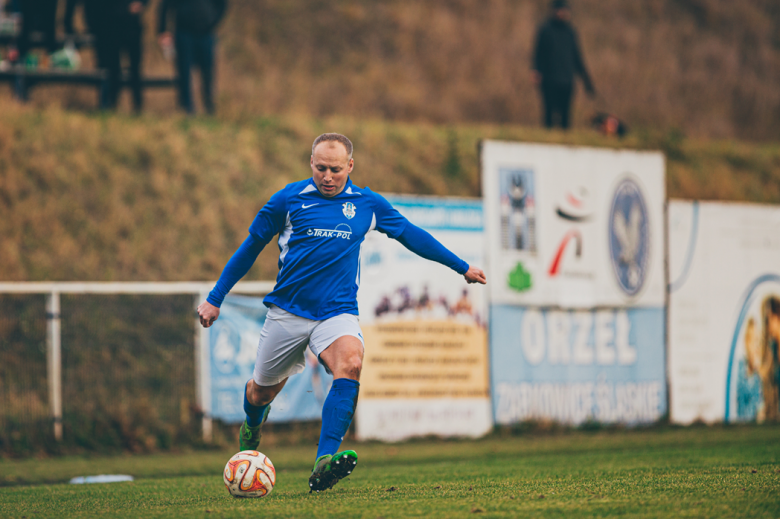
[249, 474]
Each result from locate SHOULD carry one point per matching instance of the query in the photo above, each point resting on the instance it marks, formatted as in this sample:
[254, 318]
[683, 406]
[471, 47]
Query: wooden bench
[36, 39]
[22, 79]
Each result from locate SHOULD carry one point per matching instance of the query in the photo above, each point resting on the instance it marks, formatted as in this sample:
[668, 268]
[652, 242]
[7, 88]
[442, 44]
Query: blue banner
[440, 214]
[233, 347]
[604, 365]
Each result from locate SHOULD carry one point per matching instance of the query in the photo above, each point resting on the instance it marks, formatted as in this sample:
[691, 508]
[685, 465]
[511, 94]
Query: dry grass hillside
[710, 68]
[93, 197]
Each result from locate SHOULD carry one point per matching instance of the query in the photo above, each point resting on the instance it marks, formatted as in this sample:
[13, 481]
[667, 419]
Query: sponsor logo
[519, 279]
[575, 207]
[629, 236]
[304, 206]
[342, 231]
[348, 208]
[571, 236]
[518, 210]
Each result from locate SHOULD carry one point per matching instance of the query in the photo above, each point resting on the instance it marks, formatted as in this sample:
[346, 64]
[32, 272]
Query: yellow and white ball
[249, 474]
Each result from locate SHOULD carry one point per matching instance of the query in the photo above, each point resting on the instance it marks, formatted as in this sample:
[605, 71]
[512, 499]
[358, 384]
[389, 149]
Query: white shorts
[285, 336]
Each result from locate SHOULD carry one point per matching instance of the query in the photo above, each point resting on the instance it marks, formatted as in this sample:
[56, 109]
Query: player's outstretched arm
[420, 241]
[424, 245]
[475, 275]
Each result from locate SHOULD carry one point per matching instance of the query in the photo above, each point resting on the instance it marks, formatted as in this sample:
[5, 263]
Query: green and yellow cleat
[249, 437]
[329, 470]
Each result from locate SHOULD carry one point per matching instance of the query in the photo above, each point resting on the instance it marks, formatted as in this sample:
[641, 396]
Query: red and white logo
[575, 206]
[571, 236]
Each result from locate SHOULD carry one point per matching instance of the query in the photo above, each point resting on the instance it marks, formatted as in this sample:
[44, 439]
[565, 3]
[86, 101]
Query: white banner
[573, 227]
[724, 311]
[425, 369]
[575, 240]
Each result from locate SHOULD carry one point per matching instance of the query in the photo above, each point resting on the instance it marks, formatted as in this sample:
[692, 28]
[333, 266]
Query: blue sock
[254, 413]
[337, 414]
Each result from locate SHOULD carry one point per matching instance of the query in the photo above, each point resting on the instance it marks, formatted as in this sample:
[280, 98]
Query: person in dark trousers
[556, 61]
[124, 35]
[97, 19]
[194, 42]
[117, 28]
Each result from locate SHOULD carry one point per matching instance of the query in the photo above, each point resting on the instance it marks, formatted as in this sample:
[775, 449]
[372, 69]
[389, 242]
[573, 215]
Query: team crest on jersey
[348, 208]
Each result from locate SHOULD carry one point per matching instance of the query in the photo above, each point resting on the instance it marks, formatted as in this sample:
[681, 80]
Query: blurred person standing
[95, 19]
[194, 42]
[117, 27]
[124, 35]
[556, 61]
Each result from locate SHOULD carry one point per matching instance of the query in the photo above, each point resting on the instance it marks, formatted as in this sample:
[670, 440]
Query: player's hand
[207, 313]
[475, 275]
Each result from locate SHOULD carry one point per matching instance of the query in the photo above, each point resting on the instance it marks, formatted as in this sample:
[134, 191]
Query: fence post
[203, 371]
[54, 360]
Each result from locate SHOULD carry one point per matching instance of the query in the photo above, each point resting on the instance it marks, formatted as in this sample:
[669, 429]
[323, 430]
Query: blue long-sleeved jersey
[319, 247]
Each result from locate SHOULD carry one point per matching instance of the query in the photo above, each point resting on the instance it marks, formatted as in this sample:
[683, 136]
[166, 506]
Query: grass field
[661, 472]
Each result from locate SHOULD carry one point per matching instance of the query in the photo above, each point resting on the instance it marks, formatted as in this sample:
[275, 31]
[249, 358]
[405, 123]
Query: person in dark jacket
[194, 40]
[556, 61]
[117, 27]
[125, 36]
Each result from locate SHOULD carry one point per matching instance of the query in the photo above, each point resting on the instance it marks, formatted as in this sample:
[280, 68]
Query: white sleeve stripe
[284, 238]
[360, 254]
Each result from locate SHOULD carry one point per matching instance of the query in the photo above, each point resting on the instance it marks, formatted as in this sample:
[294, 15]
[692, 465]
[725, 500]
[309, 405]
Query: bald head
[333, 138]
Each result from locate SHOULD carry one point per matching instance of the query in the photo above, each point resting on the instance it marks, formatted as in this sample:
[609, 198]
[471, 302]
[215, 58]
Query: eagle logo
[348, 208]
[629, 236]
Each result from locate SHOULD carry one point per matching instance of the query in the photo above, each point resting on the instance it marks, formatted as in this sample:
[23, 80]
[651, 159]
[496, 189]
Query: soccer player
[321, 222]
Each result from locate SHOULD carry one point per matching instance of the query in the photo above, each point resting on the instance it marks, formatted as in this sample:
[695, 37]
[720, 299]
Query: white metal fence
[53, 291]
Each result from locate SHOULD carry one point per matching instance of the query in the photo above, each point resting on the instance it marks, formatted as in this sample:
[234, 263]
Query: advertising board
[724, 311]
[573, 366]
[575, 241]
[573, 227]
[425, 369]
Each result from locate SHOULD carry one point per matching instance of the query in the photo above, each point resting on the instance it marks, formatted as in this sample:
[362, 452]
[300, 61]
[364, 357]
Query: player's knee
[261, 395]
[352, 366]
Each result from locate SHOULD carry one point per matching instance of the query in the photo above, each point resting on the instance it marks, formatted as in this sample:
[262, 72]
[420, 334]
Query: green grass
[665, 472]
